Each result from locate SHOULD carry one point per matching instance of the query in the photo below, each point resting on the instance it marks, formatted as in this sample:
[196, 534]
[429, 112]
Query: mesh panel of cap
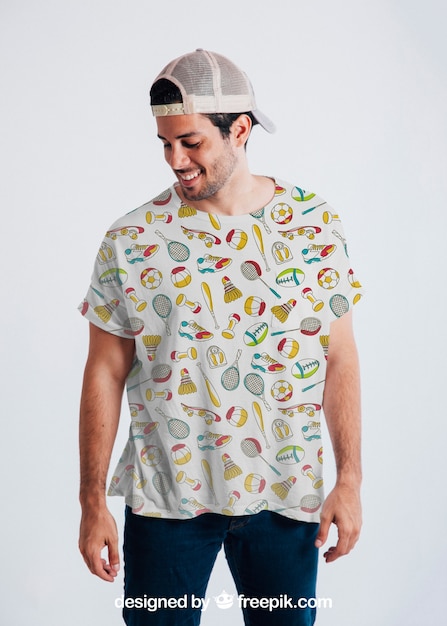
[233, 82]
[196, 77]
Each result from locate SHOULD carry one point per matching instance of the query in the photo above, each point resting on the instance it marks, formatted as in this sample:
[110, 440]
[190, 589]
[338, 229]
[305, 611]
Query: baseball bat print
[209, 478]
[260, 243]
[214, 396]
[260, 421]
[209, 302]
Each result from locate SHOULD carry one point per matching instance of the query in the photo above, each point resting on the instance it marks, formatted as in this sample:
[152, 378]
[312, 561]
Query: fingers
[346, 541]
[345, 513]
[103, 569]
[97, 533]
[325, 523]
[114, 559]
[108, 572]
[98, 565]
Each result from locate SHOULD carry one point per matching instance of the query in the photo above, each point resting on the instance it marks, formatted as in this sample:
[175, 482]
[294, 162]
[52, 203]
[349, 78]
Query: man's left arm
[341, 404]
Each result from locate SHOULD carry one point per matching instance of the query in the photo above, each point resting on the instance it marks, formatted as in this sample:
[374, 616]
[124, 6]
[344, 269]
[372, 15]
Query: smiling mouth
[189, 176]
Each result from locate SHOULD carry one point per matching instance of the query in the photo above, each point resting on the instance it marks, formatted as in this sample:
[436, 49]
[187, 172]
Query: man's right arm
[108, 364]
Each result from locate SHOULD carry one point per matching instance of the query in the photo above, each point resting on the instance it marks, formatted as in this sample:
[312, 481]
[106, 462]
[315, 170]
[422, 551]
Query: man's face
[199, 156]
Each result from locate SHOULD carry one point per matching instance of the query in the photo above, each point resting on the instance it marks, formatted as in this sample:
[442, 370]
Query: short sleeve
[106, 302]
[331, 287]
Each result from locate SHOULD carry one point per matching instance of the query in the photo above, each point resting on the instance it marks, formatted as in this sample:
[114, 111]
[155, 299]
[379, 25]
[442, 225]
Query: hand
[98, 530]
[342, 507]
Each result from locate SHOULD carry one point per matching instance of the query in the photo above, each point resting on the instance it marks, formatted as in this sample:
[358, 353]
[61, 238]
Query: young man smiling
[224, 305]
[211, 168]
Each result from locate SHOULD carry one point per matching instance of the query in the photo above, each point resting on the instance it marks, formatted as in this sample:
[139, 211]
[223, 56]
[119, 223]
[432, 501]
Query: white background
[358, 92]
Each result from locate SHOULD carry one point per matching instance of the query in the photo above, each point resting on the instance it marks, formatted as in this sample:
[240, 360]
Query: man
[224, 305]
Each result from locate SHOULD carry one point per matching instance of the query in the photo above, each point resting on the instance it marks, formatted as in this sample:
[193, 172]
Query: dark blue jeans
[270, 557]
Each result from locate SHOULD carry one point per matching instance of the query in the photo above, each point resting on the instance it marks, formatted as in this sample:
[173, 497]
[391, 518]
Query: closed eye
[185, 144]
[191, 145]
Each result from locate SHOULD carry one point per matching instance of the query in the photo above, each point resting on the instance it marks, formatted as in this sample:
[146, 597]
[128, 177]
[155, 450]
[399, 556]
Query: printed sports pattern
[230, 317]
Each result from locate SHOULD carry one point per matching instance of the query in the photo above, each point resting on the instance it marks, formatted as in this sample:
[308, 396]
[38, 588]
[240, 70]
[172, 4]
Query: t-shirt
[230, 318]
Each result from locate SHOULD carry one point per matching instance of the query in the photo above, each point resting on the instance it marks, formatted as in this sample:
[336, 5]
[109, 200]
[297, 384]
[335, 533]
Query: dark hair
[163, 91]
[224, 121]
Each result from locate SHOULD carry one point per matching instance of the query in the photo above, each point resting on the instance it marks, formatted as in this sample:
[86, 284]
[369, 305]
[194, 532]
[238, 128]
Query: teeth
[189, 176]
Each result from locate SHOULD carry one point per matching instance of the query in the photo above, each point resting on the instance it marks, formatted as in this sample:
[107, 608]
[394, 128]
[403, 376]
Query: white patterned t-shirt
[231, 321]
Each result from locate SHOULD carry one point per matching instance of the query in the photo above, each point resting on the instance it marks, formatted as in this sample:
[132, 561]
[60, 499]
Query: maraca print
[230, 318]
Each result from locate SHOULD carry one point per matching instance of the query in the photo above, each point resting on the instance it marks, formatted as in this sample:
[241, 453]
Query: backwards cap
[209, 83]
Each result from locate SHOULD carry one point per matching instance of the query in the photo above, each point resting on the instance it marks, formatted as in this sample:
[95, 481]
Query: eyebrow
[184, 136]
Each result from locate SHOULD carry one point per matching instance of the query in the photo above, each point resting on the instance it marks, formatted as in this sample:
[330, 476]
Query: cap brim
[264, 121]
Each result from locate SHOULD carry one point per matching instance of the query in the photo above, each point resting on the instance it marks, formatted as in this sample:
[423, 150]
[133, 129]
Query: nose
[178, 158]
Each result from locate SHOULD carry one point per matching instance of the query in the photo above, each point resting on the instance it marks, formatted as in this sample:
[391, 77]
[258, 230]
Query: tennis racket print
[259, 215]
[163, 308]
[339, 304]
[176, 250]
[135, 368]
[342, 239]
[133, 326]
[162, 483]
[159, 374]
[306, 211]
[309, 503]
[308, 326]
[309, 387]
[252, 271]
[177, 428]
[230, 378]
[255, 385]
[252, 448]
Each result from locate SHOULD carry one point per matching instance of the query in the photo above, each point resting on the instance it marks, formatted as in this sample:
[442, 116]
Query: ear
[241, 129]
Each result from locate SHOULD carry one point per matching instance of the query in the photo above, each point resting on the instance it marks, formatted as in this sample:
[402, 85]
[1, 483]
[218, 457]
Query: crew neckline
[222, 217]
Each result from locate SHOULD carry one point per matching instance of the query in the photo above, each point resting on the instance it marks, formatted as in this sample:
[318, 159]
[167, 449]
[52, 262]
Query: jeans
[269, 555]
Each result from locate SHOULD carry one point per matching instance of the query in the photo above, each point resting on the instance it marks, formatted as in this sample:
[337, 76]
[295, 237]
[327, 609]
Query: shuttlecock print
[151, 343]
[231, 292]
[231, 470]
[104, 312]
[186, 384]
[283, 488]
[281, 312]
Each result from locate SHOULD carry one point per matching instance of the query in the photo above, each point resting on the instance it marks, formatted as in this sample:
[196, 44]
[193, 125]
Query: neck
[243, 193]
